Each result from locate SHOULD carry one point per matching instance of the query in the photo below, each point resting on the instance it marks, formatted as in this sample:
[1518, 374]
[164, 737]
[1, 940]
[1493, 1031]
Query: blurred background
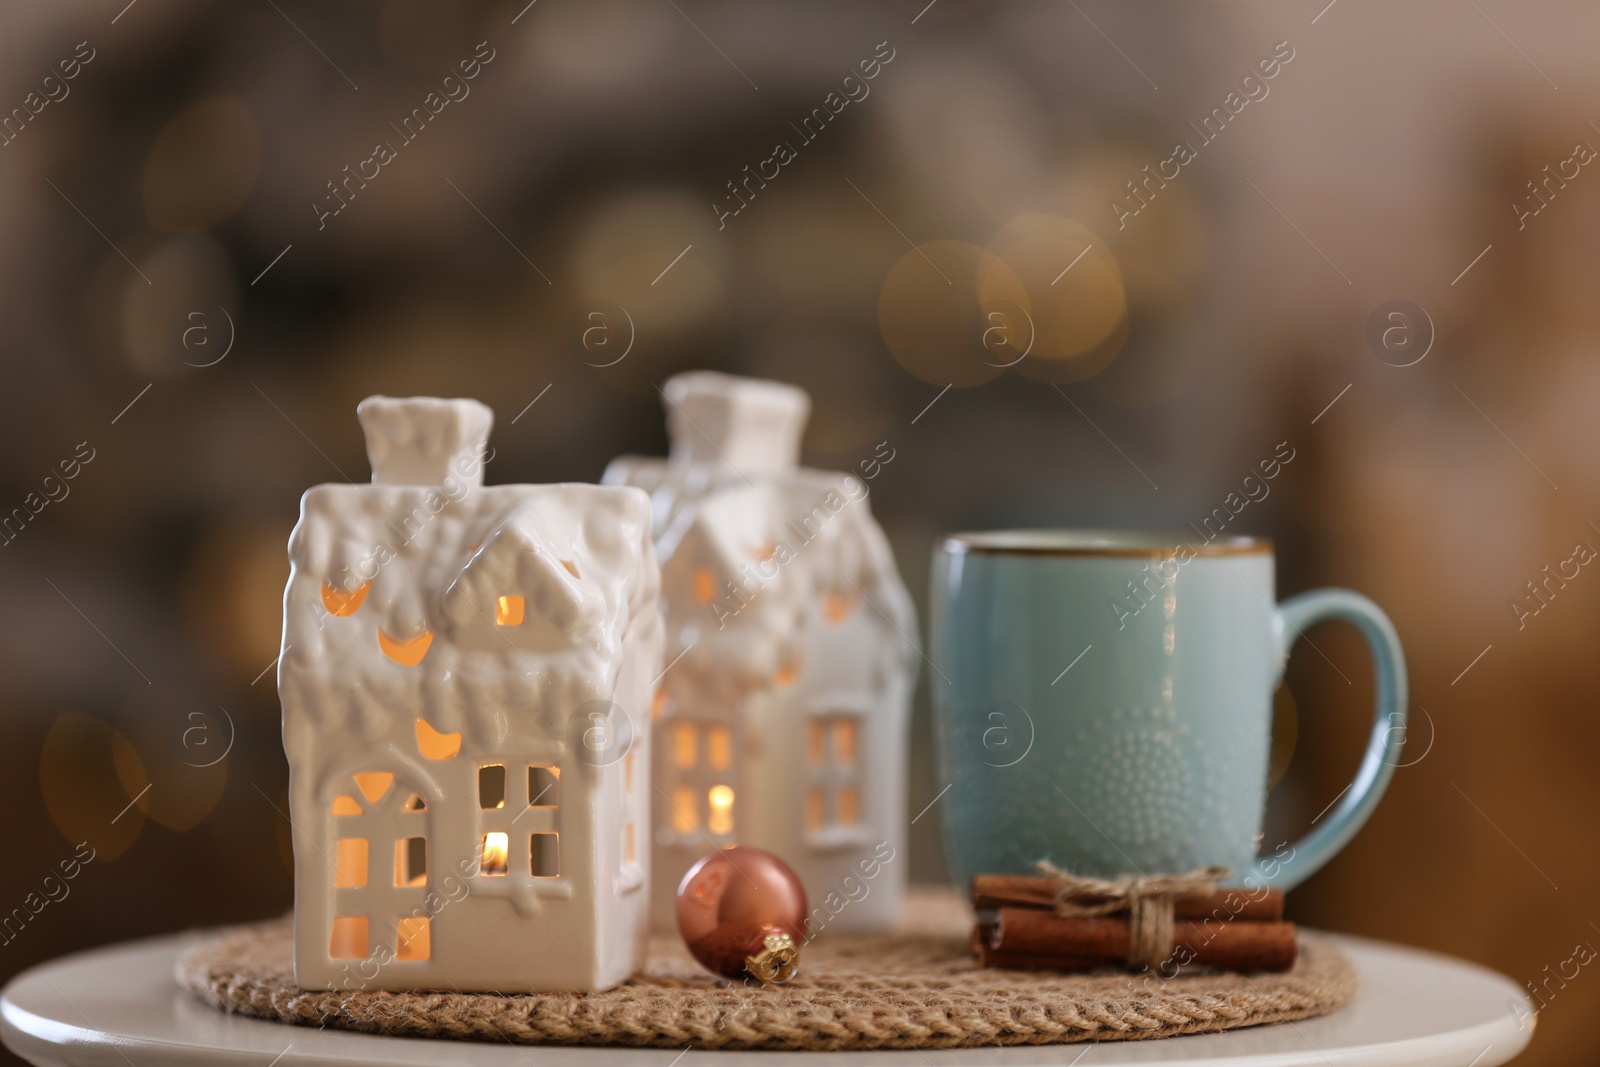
[206, 262]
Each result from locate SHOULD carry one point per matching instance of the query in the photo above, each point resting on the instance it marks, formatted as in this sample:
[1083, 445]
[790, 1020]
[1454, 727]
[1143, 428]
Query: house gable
[521, 589]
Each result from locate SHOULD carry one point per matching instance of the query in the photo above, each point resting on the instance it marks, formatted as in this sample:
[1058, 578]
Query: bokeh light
[1173, 237]
[182, 748]
[1074, 286]
[233, 596]
[83, 768]
[929, 310]
[595, 45]
[201, 165]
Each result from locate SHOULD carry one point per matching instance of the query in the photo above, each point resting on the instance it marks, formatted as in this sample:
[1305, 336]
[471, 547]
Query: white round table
[120, 1007]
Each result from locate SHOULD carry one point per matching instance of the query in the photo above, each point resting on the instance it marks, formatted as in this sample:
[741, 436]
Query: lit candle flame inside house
[496, 853]
[720, 820]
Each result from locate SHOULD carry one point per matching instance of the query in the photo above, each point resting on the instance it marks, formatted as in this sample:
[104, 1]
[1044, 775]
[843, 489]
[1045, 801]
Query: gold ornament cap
[777, 962]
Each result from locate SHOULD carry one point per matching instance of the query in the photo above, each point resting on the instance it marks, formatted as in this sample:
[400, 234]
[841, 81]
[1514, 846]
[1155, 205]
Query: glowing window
[705, 585]
[844, 806]
[836, 607]
[407, 652]
[495, 855]
[373, 784]
[719, 800]
[508, 611]
[411, 861]
[630, 848]
[544, 786]
[685, 809]
[833, 757]
[346, 806]
[814, 814]
[349, 940]
[350, 864]
[786, 673]
[719, 748]
[684, 744]
[492, 786]
[658, 705]
[844, 741]
[343, 604]
[544, 851]
[414, 940]
[435, 745]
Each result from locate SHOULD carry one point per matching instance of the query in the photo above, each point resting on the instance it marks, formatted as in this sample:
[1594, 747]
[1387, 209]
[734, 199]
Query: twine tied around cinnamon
[1147, 899]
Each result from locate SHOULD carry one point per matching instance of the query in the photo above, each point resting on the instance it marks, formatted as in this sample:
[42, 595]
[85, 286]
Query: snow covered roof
[754, 546]
[428, 592]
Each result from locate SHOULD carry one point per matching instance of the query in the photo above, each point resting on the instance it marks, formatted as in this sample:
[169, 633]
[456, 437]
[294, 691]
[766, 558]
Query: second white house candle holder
[781, 720]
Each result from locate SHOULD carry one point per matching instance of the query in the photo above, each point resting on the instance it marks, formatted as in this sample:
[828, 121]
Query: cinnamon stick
[986, 955]
[1035, 891]
[1239, 946]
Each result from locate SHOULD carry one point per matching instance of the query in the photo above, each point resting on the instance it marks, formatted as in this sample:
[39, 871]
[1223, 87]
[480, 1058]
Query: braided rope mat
[916, 988]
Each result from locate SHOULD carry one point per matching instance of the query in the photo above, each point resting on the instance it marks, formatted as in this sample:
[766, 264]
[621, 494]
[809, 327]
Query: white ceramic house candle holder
[782, 718]
[461, 666]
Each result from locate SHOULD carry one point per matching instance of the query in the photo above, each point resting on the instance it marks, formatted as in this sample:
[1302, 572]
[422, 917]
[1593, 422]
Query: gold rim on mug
[1126, 543]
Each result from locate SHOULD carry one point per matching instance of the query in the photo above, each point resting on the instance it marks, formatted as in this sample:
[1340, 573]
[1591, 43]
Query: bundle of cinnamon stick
[1233, 929]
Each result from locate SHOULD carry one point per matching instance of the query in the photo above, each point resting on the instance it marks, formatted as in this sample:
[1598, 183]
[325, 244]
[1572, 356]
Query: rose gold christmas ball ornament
[742, 911]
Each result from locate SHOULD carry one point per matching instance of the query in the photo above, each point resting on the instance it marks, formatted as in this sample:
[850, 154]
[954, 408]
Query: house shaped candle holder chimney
[781, 720]
[462, 670]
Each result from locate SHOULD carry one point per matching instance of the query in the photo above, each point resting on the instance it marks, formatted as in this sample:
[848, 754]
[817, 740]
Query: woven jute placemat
[916, 988]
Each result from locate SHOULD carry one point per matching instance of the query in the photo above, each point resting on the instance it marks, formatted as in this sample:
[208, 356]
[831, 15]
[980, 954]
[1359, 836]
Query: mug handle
[1320, 844]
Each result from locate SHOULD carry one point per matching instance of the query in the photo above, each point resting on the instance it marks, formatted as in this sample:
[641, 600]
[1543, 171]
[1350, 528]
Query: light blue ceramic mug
[1104, 700]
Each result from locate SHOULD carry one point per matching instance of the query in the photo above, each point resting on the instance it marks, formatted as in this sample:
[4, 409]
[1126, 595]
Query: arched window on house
[380, 869]
[833, 774]
[699, 776]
